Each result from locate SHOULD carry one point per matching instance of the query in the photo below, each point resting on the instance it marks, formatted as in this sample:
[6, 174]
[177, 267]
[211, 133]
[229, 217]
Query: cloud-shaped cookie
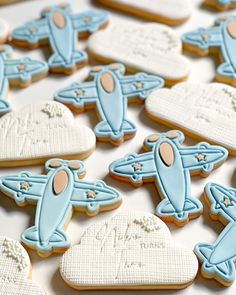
[132, 250]
[152, 48]
[203, 110]
[15, 269]
[41, 131]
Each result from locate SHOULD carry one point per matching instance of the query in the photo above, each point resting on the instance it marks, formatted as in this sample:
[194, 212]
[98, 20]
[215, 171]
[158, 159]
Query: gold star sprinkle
[87, 19]
[205, 37]
[137, 167]
[138, 85]
[24, 186]
[21, 67]
[227, 202]
[91, 195]
[33, 30]
[201, 157]
[79, 92]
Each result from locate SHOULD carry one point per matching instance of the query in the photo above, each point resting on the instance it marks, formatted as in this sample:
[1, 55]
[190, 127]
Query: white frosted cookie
[131, 250]
[203, 110]
[171, 12]
[4, 31]
[15, 270]
[41, 131]
[151, 48]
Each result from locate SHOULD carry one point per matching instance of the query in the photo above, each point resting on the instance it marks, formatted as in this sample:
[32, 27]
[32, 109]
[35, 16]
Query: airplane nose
[217, 192]
[195, 37]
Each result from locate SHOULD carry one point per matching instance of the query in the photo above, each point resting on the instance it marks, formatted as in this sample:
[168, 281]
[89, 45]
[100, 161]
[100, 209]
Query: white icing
[4, 30]
[121, 253]
[207, 110]
[171, 9]
[152, 48]
[15, 270]
[41, 131]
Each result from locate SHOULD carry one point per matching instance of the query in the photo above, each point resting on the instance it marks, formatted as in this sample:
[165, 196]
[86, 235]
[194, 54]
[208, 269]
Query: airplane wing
[203, 38]
[89, 21]
[32, 32]
[93, 197]
[140, 85]
[24, 187]
[202, 157]
[223, 201]
[135, 168]
[78, 94]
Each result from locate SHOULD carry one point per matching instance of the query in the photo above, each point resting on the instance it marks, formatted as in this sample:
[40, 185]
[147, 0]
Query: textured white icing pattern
[121, 253]
[172, 9]
[4, 30]
[15, 270]
[152, 48]
[208, 110]
[41, 131]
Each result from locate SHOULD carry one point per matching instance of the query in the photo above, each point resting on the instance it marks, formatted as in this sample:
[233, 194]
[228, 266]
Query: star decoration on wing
[91, 194]
[24, 185]
[21, 67]
[227, 202]
[205, 37]
[138, 85]
[137, 167]
[79, 92]
[201, 157]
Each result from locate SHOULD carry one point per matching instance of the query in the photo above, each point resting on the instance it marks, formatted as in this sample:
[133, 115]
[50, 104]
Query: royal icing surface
[110, 91]
[57, 194]
[4, 30]
[152, 48]
[169, 165]
[15, 270]
[221, 36]
[132, 250]
[187, 106]
[60, 28]
[41, 131]
[18, 71]
[218, 258]
[175, 10]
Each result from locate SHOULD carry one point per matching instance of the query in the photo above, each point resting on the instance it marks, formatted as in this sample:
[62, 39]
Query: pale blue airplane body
[57, 194]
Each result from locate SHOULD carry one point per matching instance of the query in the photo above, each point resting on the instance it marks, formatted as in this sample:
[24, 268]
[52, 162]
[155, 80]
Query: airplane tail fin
[226, 69]
[191, 207]
[224, 271]
[58, 240]
[103, 130]
[4, 106]
[77, 57]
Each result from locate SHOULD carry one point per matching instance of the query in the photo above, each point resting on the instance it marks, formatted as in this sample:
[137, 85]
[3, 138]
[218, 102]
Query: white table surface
[14, 220]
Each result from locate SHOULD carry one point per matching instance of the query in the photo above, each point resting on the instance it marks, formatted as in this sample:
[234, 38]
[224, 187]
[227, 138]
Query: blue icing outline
[54, 207]
[218, 258]
[172, 179]
[111, 106]
[21, 71]
[217, 37]
[61, 28]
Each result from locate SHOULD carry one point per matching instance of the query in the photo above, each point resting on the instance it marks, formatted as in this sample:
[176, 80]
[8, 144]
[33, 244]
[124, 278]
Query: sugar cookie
[171, 12]
[218, 258]
[110, 91]
[170, 165]
[57, 195]
[41, 131]
[151, 48]
[4, 31]
[220, 38]
[17, 72]
[221, 4]
[133, 250]
[15, 270]
[59, 28]
[186, 106]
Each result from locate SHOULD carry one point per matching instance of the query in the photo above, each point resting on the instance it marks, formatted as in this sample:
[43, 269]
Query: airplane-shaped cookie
[110, 91]
[222, 37]
[17, 72]
[170, 166]
[218, 258]
[58, 27]
[57, 194]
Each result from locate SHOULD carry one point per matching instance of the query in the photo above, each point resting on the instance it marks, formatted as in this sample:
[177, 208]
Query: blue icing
[60, 28]
[21, 71]
[110, 91]
[170, 166]
[221, 36]
[218, 258]
[57, 194]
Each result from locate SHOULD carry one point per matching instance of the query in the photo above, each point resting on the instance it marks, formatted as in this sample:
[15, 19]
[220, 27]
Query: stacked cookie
[140, 63]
